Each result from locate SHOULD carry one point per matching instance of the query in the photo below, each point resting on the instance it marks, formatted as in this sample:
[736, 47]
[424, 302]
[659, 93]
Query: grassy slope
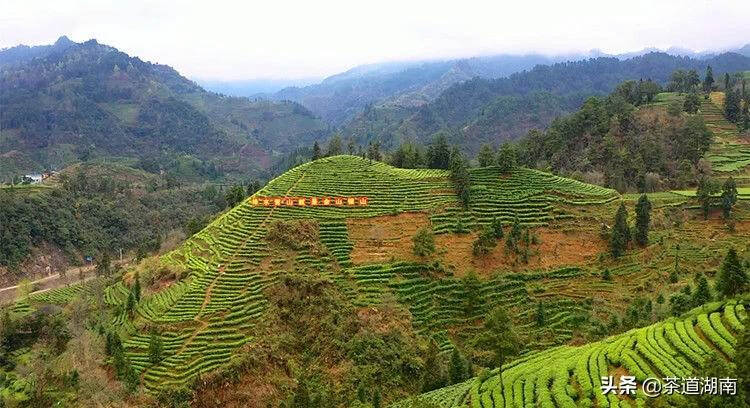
[565, 375]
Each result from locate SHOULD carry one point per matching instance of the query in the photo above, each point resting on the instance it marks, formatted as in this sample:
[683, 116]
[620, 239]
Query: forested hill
[77, 101]
[342, 97]
[493, 110]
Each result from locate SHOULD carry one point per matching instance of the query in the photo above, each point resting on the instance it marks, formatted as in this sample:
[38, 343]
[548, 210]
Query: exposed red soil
[378, 239]
[556, 248]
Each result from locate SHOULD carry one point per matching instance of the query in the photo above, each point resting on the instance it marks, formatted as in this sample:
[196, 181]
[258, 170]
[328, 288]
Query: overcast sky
[213, 39]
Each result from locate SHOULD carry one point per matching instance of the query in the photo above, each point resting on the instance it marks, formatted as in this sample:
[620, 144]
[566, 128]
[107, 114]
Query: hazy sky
[213, 39]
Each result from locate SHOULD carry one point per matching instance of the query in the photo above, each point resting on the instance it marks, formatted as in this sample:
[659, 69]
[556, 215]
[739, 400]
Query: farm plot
[531, 195]
[212, 312]
[728, 154]
[571, 376]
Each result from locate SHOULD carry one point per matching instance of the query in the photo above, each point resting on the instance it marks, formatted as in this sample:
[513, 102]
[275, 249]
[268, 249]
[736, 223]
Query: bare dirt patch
[378, 239]
[556, 249]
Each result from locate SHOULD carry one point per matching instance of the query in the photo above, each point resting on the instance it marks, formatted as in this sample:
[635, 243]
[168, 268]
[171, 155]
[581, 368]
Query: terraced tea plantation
[206, 317]
[571, 376]
[728, 155]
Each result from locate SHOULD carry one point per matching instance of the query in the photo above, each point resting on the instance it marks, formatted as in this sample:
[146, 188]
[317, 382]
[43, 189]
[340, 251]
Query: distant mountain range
[69, 101]
[491, 111]
[341, 97]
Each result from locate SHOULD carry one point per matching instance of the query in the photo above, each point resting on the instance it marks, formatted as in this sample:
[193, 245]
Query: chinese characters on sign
[309, 201]
[653, 387]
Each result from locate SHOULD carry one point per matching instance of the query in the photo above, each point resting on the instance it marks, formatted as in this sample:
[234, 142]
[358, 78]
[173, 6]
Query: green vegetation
[571, 376]
[125, 109]
[480, 110]
[97, 210]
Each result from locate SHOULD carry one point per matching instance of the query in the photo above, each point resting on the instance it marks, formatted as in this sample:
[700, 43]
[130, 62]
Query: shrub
[424, 242]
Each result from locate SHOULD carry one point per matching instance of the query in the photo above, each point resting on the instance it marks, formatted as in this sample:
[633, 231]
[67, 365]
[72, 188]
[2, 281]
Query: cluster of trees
[708, 194]
[609, 141]
[732, 280]
[92, 213]
[638, 92]
[737, 101]
[123, 369]
[621, 236]
[685, 81]
[481, 110]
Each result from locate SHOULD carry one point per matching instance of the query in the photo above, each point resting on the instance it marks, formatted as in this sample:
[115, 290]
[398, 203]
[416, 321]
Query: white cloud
[288, 39]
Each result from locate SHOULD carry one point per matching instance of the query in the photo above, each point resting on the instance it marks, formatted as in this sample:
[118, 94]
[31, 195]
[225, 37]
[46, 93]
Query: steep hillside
[495, 110]
[730, 153]
[276, 303]
[71, 101]
[572, 376]
[205, 318]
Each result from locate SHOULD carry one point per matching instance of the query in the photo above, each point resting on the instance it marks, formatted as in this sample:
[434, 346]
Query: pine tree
[460, 177]
[155, 348]
[500, 338]
[457, 372]
[472, 288]
[702, 292]
[642, 220]
[137, 287]
[434, 374]
[486, 156]
[541, 315]
[507, 158]
[497, 228]
[376, 399]
[732, 106]
[706, 189]
[726, 82]
[732, 278]
[728, 196]
[130, 305]
[708, 81]
[334, 146]
[316, 151]
[620, 233]
[104, 266]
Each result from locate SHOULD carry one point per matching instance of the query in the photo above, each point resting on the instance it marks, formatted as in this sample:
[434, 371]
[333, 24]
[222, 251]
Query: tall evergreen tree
[728, 196]
[620, 232]
[708, 80]
[460, 177]
[137, 287]
[705, 192]
[438, 153]
[732, 106]
[500, 338]
[507, 157]
[104, 267]
[373, 151]
[541, 315]
[726, 82]
[497, 227]
[316, 154]
[334, 146]
[457, 371]
[642, 220]
[486, 156]
[732, 279]
[155, 347]
[702, 292]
